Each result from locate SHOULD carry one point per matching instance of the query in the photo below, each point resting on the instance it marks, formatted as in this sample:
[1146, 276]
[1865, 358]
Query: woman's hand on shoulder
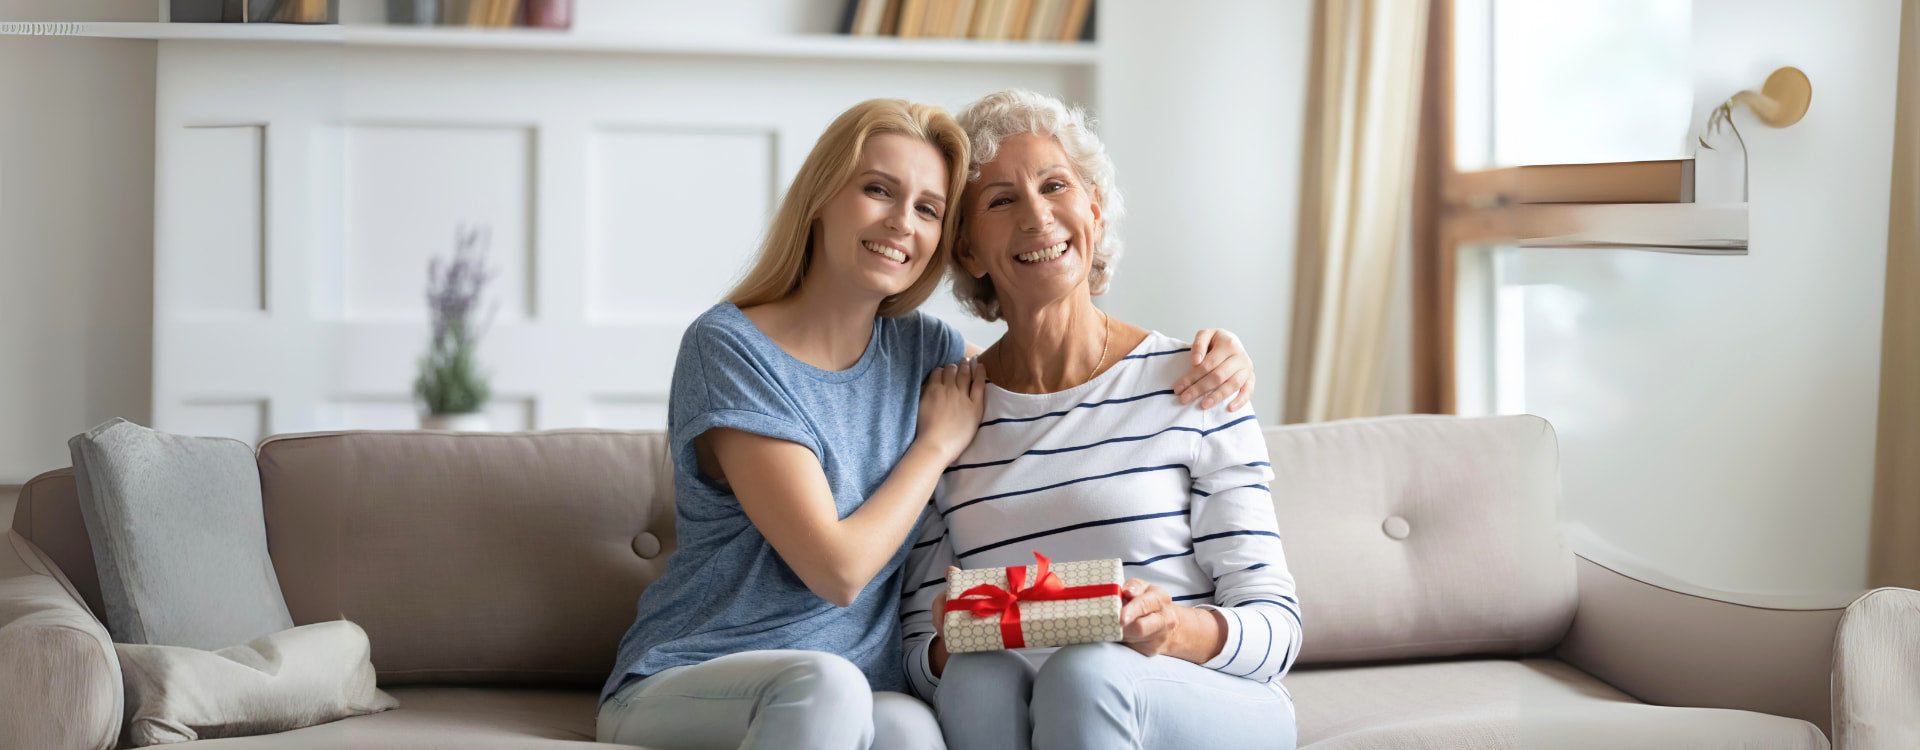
[951, 403]
[1221, 370]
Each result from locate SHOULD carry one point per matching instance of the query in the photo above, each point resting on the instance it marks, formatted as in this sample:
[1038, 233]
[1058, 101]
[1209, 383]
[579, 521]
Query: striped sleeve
[926, 577]
[1237, 542]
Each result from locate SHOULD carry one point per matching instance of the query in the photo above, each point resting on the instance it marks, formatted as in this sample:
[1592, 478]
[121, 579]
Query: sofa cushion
[1423, 536]
[178, 538]
[446, 718]
[472, 557]
[295, 678]
[1508, 703]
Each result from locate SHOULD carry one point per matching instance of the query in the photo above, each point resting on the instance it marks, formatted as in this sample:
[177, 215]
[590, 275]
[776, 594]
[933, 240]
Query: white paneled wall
[303, 187]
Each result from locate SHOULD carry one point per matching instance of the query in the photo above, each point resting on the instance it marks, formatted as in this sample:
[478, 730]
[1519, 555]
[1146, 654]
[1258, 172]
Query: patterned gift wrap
[1075, 602]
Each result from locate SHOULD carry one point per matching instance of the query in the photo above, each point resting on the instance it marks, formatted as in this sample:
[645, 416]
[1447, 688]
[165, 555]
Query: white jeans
[1106, 696]
[804, 700]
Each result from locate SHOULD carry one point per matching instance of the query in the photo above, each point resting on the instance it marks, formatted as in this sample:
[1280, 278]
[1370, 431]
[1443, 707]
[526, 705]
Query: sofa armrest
[59, 677]
[1876, 672]
[1671, 648]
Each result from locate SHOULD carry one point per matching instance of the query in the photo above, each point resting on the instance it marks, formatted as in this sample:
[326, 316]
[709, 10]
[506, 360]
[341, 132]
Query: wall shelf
[794, 46]
[1693, 228]
[274, 32]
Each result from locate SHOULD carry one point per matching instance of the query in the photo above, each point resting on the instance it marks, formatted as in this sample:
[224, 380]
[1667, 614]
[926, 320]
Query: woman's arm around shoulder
[784, 491]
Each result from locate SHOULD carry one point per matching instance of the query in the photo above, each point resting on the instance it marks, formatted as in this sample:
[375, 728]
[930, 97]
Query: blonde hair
[787, 252]
[999, 116]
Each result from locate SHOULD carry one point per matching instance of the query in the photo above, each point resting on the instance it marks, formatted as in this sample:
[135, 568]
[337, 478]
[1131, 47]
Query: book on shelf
[252, 11]
[868, 17]
[1075, 25]
[1029, 20]
[479, 13]
[912, 14]
[1021, 16]
[305, 11]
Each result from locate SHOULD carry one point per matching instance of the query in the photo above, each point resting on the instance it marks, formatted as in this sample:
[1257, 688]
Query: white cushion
[1422, 536]
[295, 678]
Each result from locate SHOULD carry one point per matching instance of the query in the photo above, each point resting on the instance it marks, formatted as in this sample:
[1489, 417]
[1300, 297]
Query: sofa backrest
[478, 557]
[519, 557]
[48, 514]
[1423, 536]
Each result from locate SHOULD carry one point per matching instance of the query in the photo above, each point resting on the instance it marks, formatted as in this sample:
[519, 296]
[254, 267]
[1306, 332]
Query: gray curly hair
[999, 116]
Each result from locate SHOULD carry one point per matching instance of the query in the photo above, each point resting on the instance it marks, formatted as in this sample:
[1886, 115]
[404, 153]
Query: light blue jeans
[1106, 696]
[804, 700]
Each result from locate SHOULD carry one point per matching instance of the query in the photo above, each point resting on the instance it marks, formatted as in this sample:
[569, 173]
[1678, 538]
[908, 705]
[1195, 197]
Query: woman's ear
[963, 252]
[1098, 211]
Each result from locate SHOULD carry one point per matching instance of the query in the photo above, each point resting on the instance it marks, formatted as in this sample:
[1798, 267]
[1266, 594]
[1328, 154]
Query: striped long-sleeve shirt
[1117, 467]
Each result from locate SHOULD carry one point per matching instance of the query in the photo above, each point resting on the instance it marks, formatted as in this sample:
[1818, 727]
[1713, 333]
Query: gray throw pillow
[178, 537]
[295, 678]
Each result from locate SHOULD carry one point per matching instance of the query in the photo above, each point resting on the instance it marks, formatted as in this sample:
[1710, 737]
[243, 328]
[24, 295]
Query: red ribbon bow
[986, 600]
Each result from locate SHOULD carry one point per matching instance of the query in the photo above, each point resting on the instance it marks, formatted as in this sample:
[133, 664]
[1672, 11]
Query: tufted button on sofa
[495, 574]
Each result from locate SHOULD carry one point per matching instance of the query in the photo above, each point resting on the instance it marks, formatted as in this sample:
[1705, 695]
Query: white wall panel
[241, 419]
[617, 413]
[505, 414]
[221, 231]
[675, 215]
[625, 193]
[375, 413]
[409, 187]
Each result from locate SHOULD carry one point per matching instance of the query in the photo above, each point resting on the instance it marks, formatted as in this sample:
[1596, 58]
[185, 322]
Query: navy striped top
[1118, 467]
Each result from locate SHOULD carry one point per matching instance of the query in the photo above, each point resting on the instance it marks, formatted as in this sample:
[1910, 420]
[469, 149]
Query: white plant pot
[470, 422]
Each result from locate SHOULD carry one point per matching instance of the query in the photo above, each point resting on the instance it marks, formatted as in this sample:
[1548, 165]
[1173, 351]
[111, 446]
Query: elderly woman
[1083, 453]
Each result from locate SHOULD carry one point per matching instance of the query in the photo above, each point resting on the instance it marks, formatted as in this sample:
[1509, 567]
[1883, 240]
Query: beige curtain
[1363, 113]
[1895, 551]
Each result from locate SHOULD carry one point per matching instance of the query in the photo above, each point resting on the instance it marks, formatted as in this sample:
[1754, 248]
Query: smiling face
[1031, 224]
[878, 233]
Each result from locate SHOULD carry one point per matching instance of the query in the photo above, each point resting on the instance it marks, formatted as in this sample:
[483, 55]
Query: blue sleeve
[941, 344]
[720, 381]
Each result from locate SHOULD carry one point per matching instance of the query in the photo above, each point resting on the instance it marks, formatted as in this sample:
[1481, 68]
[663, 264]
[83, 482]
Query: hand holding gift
[1032, 606]
[1149, 619]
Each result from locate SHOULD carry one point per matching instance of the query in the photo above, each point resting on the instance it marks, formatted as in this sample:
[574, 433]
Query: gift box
[1033, 606]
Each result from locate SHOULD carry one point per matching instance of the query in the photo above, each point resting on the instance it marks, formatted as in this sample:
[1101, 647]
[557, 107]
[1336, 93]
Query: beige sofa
[495, 573]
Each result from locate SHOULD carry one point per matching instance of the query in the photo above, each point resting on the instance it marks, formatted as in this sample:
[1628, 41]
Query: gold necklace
[1106, 340]
[1106, 322]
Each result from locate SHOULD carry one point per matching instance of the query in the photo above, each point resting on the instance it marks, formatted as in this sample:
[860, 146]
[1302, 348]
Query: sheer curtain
[1894, 559]
[1363, 113]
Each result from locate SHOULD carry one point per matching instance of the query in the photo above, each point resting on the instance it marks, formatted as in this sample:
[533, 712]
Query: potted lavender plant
[451, 384]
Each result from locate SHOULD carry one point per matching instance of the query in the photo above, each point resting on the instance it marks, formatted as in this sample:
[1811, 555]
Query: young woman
[805, 450]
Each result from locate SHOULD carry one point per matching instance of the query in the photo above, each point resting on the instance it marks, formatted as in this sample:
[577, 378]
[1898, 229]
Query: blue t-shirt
[726, 590]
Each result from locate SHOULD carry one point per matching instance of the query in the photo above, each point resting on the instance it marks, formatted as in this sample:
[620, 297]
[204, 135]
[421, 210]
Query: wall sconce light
[1780, 102]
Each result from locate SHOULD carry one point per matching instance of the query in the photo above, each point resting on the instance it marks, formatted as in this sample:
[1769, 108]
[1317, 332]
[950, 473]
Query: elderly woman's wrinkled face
[881, 229]
[1031, 223]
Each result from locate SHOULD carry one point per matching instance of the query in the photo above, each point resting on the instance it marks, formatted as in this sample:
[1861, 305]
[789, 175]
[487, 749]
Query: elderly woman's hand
[1152, 624]
[1221, 370]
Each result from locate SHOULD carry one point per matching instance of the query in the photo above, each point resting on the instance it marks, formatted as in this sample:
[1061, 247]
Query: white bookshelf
[793, 46]
[279, 32]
